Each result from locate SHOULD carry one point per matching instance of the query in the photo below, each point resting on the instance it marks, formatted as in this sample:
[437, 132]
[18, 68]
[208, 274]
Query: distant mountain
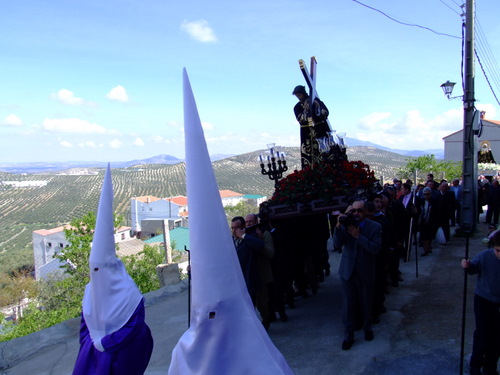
[438, 152]
[44, 167]
[215, 157]
[158, 159]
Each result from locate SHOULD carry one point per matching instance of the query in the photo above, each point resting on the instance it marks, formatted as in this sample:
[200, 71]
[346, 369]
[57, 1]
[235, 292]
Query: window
[49, 244]
[123, 236]
[61, 245]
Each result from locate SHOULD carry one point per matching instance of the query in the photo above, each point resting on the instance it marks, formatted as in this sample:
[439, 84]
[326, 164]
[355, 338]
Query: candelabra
[276, 164]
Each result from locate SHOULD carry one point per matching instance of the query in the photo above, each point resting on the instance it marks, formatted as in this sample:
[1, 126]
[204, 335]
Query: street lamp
[276, 163]
[448, 89]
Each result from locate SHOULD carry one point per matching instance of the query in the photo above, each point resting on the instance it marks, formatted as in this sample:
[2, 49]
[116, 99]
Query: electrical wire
[460, 14]
[487, 80]
[483, 53]
[488, 58]
[405, 23]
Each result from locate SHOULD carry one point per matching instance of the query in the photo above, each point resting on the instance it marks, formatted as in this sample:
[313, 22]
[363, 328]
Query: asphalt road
[419, 334]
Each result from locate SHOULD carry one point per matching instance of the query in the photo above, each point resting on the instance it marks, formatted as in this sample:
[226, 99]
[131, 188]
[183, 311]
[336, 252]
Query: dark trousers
[493, 212]
[486, 342]
[357, 294]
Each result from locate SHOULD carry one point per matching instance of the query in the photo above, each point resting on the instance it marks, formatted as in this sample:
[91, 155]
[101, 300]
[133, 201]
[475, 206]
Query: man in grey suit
[361, 239]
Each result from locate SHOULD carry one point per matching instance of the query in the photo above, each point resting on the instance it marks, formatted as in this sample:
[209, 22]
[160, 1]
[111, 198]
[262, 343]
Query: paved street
[419, 334]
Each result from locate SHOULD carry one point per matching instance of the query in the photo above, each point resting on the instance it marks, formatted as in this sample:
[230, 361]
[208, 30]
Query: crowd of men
[286, 259]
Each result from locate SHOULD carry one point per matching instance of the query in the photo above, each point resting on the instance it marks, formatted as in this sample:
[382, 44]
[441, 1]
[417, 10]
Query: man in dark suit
[247, 246]
[456, 189]
[447, 207]
[362, 239]
[410, 212]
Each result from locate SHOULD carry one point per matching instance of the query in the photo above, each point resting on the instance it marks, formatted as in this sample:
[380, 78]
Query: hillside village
[154, 220]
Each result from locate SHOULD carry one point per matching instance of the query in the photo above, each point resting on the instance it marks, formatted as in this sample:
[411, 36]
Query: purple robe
[127, 351]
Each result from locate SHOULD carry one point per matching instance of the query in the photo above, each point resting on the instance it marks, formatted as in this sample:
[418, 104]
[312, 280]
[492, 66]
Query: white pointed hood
[225, 335]
[111, 296]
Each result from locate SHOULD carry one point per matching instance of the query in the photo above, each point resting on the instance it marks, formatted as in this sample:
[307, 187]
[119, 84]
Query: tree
[428, 164]
[16, 287]
[61, 299]
[142, 267]
[240, 209]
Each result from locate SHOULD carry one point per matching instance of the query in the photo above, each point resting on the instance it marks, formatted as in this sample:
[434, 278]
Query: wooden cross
[311, 83]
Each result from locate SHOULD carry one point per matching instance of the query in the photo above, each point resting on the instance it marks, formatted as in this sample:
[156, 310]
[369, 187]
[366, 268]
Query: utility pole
[469, 178]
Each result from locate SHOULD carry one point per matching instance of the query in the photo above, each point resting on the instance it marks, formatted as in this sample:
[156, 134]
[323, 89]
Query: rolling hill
[67, 196]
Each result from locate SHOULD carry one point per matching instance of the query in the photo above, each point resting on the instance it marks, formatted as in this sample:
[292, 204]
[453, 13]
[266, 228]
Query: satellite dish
[477, 124]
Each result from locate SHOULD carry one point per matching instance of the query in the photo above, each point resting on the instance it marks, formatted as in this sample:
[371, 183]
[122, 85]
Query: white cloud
[115, 143]
[66, 144]
[12, 120]
[118, 94]
[73, 125]
[373, 121]
[87, 144]
[199, 30]
[410, 132]
[490, 109]
[160, 139]
[138, 142]
[207, 126]
[67, 97]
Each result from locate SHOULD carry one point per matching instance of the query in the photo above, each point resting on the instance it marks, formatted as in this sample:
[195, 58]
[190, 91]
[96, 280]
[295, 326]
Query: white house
[48, 242]
[453, 143]
[230, 198]
[149, 214]
[254, 200]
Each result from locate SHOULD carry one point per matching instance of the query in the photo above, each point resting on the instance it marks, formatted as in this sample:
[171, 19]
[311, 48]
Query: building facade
[453, 143]
[49, 242]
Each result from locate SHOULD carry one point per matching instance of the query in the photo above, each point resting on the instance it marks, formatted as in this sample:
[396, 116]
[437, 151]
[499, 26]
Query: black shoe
[358, 326]
[283, 317]
[266, 324]
[369, 335]
[347, 344]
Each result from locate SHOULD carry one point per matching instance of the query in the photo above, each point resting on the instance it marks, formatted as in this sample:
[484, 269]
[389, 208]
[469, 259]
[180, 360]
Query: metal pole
[189, 285]
[464, 308]
[469, 192]
[469, 183]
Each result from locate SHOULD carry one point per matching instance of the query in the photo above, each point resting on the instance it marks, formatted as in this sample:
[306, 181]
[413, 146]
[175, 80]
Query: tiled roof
[178, 235]
[46, 232]
[147, 199]
[229, 194]
[179, 200]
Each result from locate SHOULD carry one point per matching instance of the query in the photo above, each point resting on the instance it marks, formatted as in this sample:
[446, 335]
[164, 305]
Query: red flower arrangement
[324, 181]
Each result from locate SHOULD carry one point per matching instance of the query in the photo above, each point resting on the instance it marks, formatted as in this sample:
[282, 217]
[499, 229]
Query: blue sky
[102, 80]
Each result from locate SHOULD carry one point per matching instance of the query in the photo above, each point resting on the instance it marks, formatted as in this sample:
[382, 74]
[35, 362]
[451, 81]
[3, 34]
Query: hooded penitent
[114, 338]
[111, 296]
[225, 335]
